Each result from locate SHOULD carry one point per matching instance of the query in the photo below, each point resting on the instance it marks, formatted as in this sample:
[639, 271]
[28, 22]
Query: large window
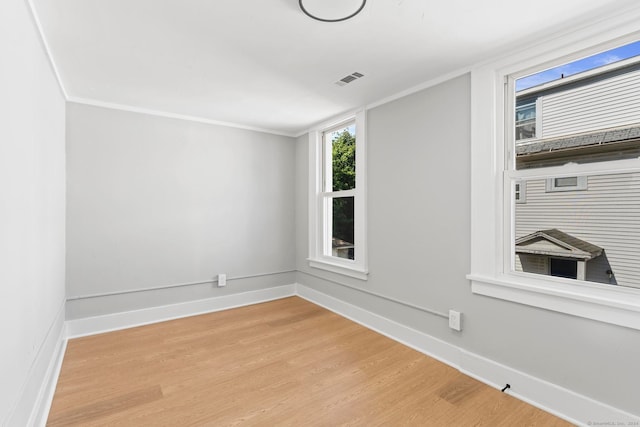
[567, 133]
[337, 215]
[586, 225]
[339, 149]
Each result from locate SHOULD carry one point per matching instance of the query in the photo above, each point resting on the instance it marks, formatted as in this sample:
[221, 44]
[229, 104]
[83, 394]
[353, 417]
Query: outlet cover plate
[455, 318]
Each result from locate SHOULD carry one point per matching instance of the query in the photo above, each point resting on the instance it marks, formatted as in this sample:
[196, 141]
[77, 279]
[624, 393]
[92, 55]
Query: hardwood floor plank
[90, 411]
[285, 362]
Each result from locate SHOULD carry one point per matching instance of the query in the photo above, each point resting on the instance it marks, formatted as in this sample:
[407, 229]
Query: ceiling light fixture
[331, 11]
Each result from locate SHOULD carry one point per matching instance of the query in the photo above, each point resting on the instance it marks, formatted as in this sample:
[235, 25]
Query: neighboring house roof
[554, 242]
[600, 138]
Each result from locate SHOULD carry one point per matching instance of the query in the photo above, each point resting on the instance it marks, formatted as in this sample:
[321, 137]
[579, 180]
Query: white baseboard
[564, 403]
[112, 322]
[41, 409]
[35, 397]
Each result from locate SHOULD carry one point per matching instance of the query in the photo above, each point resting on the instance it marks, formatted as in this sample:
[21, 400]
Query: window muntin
[605, 216]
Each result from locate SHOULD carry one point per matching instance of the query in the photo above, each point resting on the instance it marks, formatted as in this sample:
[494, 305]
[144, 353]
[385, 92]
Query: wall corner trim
[564, 403]
[34, 399]
[41, 409]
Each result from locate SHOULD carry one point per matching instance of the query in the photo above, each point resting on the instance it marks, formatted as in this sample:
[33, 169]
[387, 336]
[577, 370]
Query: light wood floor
[286, 362]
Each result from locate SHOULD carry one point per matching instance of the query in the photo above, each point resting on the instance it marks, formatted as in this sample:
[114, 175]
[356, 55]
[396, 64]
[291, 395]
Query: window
[521, 192]
[591, 126]
[571, 139]
[526, 121]
[560, 267]
[336, 203]
[567, 183]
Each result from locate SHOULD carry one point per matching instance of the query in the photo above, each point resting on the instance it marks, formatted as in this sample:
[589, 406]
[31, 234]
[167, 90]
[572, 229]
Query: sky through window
[575, 67]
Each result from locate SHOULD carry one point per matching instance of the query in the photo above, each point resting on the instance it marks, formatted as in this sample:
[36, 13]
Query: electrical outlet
[455, 318]
[222, 280]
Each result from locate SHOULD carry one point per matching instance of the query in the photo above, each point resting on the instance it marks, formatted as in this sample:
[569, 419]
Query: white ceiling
[264, 64]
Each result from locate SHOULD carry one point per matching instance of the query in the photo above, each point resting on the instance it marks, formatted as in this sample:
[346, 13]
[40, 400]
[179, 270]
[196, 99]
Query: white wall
[154, 202]
[32, 212]
[419, 238]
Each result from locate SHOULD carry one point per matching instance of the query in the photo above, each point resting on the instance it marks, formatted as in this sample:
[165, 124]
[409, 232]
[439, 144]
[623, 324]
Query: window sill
[616, 305]
[335, 267]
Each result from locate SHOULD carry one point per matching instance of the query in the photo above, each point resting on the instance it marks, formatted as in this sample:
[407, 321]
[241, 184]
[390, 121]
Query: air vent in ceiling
[348, 79]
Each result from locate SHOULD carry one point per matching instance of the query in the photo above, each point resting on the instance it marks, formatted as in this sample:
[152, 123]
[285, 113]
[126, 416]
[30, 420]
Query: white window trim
[357, 268]
[491, 273]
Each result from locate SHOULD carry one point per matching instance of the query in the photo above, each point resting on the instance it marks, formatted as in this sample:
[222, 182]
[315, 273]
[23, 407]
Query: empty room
[319, 212]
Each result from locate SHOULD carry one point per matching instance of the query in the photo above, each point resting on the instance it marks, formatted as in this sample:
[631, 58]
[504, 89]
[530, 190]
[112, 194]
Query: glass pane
[342, 242]
[581, 112]
[591, 234]
[343, 158]
[526, 121]
[567, 268]
[571, 181]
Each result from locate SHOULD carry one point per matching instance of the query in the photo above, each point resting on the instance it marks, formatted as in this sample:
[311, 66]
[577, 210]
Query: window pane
[595, 231]
[564, 268]
[343, 158]
[526, 121]
[342, 242]
[582, 112]
[571, 181]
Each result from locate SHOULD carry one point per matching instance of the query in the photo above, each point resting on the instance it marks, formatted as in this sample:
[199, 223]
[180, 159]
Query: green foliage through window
[343, 149]
[343, 152]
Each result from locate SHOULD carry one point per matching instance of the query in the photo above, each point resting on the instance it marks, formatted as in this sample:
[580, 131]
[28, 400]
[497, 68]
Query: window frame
[319, 210]
[493, 159]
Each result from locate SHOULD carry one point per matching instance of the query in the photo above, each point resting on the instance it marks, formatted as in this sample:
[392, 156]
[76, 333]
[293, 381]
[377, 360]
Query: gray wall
[419, 219]
[155, 202]
[32, 209]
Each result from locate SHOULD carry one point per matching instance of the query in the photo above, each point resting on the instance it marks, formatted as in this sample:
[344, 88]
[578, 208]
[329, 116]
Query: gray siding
[607, 103]
[532, 263]
[607, 214]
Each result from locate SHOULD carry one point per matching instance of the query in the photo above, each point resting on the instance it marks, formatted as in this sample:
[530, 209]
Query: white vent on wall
[348, 79]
